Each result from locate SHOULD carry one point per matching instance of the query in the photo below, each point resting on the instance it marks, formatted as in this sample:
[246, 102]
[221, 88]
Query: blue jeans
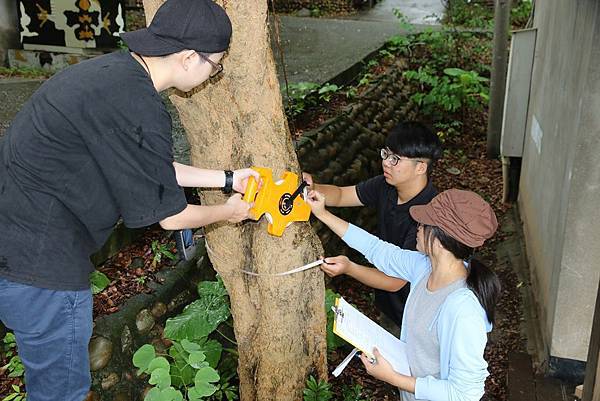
[53, 329]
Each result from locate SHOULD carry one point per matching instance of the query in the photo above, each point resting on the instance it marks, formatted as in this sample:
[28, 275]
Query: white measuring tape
[296, 270]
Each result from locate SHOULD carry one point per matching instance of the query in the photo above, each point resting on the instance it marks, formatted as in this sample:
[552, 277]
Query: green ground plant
[480, 15]
[14, 368]
[455, 90]
[16, 394]
[317, 390]
[304, 95]
[193, 367]
[354, 393]
[159, 251]
[25, 72]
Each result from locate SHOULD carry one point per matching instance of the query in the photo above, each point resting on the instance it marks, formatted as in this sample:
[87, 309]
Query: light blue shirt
[462, 324]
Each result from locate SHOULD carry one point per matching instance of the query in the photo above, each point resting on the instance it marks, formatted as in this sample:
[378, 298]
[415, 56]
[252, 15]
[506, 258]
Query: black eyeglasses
[217, 67]
[394, 159]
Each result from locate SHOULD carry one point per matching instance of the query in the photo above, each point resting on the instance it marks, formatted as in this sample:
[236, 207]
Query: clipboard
[364, 334]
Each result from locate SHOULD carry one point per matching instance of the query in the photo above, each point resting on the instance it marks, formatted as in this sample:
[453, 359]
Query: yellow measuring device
[279, 201]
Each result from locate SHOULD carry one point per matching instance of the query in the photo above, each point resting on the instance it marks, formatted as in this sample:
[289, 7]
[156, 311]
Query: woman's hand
[336, 265]
[240, 179]
[380, 369]
[316, 201]
[238, 208]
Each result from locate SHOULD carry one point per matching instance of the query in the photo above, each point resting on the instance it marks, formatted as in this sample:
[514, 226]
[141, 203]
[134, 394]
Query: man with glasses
[91, 146]
[407, 160]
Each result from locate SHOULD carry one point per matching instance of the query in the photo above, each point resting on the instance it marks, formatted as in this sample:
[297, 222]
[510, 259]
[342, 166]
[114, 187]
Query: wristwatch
[228, 188]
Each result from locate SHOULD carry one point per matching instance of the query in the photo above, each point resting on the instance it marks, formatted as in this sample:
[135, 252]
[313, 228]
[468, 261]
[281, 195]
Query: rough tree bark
[238, 122]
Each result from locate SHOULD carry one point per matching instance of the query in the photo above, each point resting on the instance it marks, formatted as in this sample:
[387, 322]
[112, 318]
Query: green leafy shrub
[203, 316]
[317, 391]
[189, 370]
[304, 95]
[353, 393]
[14, 367]
[455, 90]
[186, 366]
[16, 394]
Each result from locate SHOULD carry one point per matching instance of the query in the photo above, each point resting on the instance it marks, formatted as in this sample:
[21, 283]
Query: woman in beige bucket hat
[450, 308]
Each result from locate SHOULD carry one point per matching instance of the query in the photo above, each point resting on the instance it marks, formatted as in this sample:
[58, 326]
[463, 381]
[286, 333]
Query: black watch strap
[228, 188]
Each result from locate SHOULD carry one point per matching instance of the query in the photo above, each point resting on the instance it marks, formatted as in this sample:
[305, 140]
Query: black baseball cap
[178, 25]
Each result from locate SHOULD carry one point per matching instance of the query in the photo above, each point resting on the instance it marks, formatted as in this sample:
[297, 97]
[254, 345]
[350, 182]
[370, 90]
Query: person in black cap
[91, 146]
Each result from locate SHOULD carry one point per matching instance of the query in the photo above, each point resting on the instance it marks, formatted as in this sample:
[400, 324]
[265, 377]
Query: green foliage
[14, 367]
[98, 281]
[203, 316]
[405, 24]
[304, 95]
[397, 45]
[365, 79]
[16, 394]
[317, 391]
[225, 390]
[468, 14]
[520, 13]
[159, 250]
[333, 341]
[472, 14]
[301, 97]
[446, 131]
[190, 370]
[326, 91]
[25, 72]
[353, 393]
[187, 372]
[448, 93]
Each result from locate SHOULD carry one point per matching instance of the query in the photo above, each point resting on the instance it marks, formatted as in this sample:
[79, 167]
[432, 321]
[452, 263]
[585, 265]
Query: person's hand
[240, 179]
[380, 369]
[308, 179]
[239, 209]
[336, 265]
[316, 201]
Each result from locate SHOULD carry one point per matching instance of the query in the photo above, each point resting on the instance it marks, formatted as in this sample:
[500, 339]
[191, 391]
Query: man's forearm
[194, 216]
[333, 194]
[189, 176]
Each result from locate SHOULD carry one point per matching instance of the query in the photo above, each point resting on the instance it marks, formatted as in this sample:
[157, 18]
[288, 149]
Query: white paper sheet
[365, 334]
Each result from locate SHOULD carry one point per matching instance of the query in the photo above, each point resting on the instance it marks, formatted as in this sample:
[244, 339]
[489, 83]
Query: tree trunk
[238, 122]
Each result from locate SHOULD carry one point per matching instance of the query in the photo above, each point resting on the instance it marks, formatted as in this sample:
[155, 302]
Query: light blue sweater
[462, 324]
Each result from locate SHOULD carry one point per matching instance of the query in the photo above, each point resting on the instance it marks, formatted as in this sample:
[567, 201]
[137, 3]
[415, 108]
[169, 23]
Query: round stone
[158, 310]
[100, 352]
[144, 321]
